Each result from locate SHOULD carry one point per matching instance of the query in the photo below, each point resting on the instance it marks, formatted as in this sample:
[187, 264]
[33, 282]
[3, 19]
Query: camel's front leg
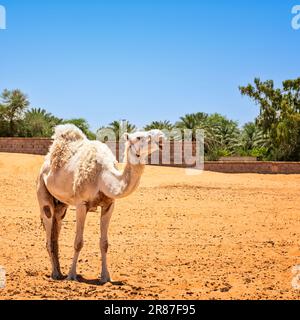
[81, 212]
[105, 219]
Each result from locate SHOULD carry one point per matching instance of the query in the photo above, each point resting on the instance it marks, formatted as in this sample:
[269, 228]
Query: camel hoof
[72, 277]
[57, 276]
[104, 280]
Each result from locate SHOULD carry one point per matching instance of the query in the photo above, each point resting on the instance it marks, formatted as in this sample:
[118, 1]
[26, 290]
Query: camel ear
[126, 136]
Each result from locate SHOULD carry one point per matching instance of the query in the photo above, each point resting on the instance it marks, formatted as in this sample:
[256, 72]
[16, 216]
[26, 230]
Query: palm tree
[161, 125]
[195, 122]
[253, 137]
[121, 127]
[14, 104]
[227, 135]
[39, 123]
[192, 121]
[115, 130]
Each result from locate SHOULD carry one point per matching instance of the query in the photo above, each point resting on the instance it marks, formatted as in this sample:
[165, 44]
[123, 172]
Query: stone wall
[41, 146]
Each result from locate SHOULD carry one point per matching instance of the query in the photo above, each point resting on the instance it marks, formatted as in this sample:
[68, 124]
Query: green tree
[4, 127]
[279, 115]
[83, 125]
[226, 133]
[220, 133]
[224, 136]
[13, 106]
[253, 137]
[194, 122]
[39, 123]
[160, 125]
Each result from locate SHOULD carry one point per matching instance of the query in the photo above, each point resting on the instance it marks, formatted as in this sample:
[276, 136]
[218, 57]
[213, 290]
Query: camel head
[141, 144]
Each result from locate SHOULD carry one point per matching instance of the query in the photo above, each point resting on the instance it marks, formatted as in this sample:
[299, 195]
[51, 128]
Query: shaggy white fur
[68, 132]
[83, 157]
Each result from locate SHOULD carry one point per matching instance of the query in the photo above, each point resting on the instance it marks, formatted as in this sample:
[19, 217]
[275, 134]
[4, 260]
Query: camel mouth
[135, 151]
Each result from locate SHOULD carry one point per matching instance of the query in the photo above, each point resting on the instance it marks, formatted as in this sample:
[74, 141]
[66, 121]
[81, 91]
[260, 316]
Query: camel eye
[138, 138]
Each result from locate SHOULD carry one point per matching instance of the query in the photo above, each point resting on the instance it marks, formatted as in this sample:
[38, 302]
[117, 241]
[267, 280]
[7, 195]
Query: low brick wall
[253, 167]
[40, 146]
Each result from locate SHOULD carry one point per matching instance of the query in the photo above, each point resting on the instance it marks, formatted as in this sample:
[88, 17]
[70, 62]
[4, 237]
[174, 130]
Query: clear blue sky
[145, 60]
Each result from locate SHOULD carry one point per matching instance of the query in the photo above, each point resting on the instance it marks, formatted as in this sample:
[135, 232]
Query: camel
[82, 173]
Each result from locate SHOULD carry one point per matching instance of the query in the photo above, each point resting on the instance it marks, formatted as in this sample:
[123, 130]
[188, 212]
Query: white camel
[82, 173]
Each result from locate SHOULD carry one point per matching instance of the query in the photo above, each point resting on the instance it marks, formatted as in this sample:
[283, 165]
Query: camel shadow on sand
[92, 282]
[97, 282]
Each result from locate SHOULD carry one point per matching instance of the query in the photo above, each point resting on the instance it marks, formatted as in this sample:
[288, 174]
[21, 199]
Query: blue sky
[145, 60]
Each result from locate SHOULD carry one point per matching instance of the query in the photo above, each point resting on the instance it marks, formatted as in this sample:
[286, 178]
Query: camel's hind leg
[52, 214]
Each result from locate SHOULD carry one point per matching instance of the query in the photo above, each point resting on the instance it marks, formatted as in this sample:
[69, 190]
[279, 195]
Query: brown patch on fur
[78, 246]
[47, 211]
[104, 246]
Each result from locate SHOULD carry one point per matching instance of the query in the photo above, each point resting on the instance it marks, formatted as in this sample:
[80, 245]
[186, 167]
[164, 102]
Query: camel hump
[68, 133]
[67, 138]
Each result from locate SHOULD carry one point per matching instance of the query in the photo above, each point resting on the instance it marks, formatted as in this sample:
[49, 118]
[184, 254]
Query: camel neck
[121, 184]
[131, 178]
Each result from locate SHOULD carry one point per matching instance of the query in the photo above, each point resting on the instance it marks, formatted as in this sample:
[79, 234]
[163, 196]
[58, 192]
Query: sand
[211, 236]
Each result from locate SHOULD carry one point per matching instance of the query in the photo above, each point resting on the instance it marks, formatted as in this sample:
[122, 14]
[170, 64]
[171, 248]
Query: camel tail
[68, 133]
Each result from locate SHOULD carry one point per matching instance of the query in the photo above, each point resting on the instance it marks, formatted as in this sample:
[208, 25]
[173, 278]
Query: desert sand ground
[212, 236]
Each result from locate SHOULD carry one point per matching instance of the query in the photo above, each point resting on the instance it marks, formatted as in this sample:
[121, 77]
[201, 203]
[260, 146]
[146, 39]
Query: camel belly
[60, 188]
